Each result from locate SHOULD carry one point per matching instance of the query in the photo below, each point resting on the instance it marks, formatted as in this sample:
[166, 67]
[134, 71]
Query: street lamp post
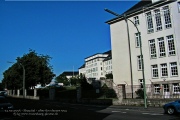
[124, 16]
[24, 72]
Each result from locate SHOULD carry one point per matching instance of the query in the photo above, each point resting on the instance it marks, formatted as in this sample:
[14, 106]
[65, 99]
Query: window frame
[139, 62]
[163, 69]
[176, 88]
[171, 52]
[157, 88]
[136, 20]
[167, 17]
[171, 70]
[149, 21]
[137, 39]
[141, 83]
[178, 5]
[152, 47]
[158, 20]
[154, 70]
[161, 47]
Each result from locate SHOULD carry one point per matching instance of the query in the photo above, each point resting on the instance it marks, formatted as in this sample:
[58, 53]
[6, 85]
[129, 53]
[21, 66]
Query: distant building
[96, 66]
[70, 74]
[158, 22]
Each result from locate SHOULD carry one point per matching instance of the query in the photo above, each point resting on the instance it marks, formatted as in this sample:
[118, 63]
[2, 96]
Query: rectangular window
[152, 47]
[150, 28]
[166, 87]
[137, 39]
[154, 71]
[164, 71]
[156, 89]
[141, 83]
[136, 20]
[174, 70]
[171, 46]
[162, 51]
[139, 62]
[176, 88]
[167, 17]
[158, 20]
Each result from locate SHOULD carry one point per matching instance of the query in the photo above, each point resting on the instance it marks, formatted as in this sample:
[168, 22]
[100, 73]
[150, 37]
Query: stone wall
[140, 102]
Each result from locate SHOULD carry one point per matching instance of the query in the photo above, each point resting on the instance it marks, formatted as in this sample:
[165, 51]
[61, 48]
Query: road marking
[116, 111]
[152, 114]
[124, 112]
[156, 114]
[146, 113]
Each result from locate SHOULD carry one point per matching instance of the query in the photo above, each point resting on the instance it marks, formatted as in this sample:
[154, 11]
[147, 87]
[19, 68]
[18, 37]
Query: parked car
[172, 107]
[3, 93]
[5, 105]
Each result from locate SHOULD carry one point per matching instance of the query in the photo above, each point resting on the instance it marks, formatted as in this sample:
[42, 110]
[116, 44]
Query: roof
[140, 7]
[107, 52]
[109, 57]
[70, 73]
[83, 66]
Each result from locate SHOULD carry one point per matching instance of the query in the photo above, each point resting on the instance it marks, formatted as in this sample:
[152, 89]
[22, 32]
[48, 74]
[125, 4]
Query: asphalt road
[36, 110]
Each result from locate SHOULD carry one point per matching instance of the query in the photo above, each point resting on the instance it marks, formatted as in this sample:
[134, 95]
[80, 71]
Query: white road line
[124, 112]
[156, 114]
[116, 111]
[146, 113]
[152, 114]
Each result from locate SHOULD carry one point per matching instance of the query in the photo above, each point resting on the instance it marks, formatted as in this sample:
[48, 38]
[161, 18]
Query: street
[35, 109]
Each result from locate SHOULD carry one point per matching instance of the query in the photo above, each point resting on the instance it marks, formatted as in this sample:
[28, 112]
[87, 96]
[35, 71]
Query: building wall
[120, 50]
[95, 66]
[107, 66]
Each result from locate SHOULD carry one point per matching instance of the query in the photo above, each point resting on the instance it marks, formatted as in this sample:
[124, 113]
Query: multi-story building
[158, 22]
[97, 66]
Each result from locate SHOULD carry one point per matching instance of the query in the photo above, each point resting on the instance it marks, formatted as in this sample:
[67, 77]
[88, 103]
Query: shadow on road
[39, 109]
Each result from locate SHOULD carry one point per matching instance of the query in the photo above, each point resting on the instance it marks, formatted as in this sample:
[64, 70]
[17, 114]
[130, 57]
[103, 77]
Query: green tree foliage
[1, 87]
[109, 76]
[84, 84]
[74, 81]
[62, 79]
[37, 70]
[108, 92]
[140, 93]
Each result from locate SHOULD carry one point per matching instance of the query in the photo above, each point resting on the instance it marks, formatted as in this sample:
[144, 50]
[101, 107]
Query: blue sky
[68, 31]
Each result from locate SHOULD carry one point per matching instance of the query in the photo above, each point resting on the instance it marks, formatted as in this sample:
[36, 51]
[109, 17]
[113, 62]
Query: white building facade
[159, 26]
[94, 66]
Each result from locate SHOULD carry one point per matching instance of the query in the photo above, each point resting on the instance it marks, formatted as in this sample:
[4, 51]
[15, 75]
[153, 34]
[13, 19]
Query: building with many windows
[158, 23]
[97, 66]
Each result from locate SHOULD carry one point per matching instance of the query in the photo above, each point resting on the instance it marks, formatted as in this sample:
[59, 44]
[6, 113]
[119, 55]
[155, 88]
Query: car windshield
[3, 100]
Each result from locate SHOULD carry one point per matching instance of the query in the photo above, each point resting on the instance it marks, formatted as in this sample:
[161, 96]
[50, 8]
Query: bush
[108, 92]
[140, 93]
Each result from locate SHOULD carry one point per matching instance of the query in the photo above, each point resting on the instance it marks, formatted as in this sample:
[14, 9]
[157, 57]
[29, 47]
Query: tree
[62, 79]
[140, 93]
[109, 76]
[84, 84]
[37, 67]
